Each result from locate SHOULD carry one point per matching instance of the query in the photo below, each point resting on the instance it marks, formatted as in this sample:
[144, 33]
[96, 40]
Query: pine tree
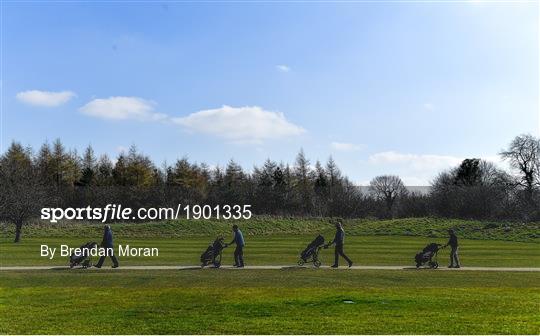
[303, 183]
[44, 164]
[89, 167]
[104, 171]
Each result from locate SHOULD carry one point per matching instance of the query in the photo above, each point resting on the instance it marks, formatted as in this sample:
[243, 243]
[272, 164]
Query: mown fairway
[285, 301]
[269, 301]
[274, 241]
[280, 250]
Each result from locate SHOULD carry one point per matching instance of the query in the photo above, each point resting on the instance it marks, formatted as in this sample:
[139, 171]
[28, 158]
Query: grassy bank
[264, 226]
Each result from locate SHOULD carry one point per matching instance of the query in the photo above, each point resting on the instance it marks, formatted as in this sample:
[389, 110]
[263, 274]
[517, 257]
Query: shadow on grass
[195, 268]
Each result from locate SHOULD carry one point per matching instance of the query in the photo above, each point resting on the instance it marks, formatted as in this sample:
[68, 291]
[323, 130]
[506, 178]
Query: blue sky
[385, 88]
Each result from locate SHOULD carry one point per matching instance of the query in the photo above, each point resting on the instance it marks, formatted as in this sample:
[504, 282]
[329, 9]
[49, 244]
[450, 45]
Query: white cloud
[498, 162]
[418, 162]
[249, 124]
[45, 98]
[283, 68]
[414, 169]
[420, 169]
[122, 108]
[346, 147]
[415, 181]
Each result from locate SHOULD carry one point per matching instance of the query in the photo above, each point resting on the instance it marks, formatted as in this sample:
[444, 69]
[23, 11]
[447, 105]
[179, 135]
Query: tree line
[56, 177]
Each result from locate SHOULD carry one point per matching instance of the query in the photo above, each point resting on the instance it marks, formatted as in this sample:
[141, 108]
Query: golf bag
[428, 255]
[213, 253]
[311, 252]
[82, 258]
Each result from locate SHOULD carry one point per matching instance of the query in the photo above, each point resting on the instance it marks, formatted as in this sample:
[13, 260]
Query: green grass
[269, 301]
[279, 250]
[294, 301]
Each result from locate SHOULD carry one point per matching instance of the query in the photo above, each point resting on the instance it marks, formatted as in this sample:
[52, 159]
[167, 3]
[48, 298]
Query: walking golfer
[238, 239]
[107, 243]
[338, 241]
[453, 242]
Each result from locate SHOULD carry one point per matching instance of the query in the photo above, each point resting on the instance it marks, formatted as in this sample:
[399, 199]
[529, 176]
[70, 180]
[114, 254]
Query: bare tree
[524, 156]
[21, 195]
[387, 188]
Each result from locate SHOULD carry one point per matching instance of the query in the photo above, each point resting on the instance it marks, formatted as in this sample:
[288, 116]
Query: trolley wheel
[217, 264]
[301, 262]
[317, 263]
[436, 265]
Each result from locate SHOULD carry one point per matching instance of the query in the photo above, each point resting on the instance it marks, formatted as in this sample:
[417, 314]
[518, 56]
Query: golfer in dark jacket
[453, 242]
[338, 241]
[107, 243]
[238, 239]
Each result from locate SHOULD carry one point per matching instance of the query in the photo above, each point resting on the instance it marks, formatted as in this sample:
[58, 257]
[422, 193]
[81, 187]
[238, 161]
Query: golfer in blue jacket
[238, 239]
[339, 240]
[107, 243]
